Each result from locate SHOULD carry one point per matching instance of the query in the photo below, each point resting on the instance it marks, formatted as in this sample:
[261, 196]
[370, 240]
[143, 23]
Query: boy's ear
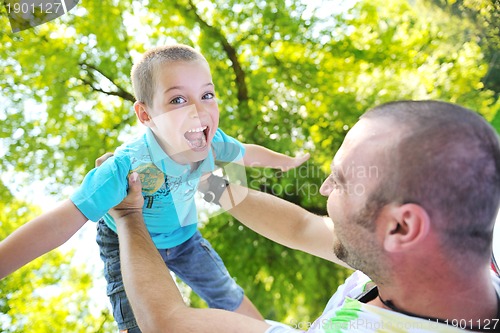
[409, 225]
[142, 114]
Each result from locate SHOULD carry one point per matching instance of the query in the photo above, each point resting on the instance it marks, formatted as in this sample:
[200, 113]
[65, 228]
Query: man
[416, 218]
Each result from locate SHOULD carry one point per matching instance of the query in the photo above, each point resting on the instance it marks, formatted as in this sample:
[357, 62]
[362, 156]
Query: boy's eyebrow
[181, 87]
[173, 88]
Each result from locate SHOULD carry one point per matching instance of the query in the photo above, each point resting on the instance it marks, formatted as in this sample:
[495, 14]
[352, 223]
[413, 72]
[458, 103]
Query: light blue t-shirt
[168, 188]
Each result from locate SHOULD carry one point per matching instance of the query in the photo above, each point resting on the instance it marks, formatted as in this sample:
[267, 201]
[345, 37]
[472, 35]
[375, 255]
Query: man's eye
[208, 96]
[177, 100]
[333, 182]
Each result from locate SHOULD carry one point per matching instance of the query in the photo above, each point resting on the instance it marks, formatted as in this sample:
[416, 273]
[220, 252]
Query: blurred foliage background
[291, 75]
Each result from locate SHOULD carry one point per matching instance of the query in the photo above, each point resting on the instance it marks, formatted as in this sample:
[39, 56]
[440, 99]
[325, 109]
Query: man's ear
[142, 114]
[408, 226]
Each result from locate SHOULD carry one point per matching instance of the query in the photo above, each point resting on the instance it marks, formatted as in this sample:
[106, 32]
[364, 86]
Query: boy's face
[184, 115]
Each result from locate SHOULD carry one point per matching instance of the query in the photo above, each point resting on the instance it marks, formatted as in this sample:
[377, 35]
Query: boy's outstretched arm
[275, 218]
[39, 236]
[258, 156]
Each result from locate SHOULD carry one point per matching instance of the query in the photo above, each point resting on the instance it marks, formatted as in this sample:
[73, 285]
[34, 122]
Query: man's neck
[444, 298]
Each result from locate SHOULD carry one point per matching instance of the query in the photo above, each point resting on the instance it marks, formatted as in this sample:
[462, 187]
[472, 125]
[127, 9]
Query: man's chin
[340, 251]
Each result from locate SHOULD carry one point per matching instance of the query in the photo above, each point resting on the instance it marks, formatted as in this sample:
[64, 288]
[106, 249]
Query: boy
[176, 102]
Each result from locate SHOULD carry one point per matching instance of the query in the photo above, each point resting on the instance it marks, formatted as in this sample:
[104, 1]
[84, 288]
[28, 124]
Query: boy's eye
[208, 96]
[177, 100]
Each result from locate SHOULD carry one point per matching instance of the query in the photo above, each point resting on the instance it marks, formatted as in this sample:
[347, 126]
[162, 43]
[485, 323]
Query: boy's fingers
[305, 157]
[298, 160]
[103, 158]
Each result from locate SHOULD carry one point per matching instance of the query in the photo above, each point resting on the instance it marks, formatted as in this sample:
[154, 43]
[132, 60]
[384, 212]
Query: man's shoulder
[346, 313]
[356, 316]
[354, 286]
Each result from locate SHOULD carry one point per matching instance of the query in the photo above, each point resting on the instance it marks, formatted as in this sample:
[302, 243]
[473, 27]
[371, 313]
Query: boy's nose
[196, 110]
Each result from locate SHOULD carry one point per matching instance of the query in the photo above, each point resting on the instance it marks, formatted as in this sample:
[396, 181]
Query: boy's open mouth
[197, 138]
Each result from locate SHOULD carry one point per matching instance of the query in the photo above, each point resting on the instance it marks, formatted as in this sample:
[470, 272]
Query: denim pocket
[217, 260]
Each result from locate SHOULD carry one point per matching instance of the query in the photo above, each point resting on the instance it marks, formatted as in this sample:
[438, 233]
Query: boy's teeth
[196, 137]
[199, 129]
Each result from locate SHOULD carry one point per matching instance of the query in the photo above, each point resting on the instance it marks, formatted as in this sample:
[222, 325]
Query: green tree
[483, 18]
[480, 20]
[288, 78]
[47, 295]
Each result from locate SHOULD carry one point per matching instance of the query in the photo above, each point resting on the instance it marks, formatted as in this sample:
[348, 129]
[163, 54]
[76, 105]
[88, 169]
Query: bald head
[448, 161]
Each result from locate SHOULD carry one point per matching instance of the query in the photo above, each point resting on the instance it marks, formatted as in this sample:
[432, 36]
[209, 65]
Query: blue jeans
[195, 262]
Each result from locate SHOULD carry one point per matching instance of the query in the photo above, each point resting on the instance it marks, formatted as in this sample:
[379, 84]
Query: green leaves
[288, 77]
[48, 295]
[278, 71]
[284, 284]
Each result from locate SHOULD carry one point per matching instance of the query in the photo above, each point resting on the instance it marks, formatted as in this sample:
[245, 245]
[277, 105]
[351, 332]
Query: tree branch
[120, 92]
[228, 48]
[126, 120]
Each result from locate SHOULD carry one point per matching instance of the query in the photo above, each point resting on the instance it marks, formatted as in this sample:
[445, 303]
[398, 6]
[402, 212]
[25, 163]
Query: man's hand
[133, 202]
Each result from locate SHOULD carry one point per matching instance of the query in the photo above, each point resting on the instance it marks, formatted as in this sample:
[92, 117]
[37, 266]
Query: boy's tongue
[196, 139]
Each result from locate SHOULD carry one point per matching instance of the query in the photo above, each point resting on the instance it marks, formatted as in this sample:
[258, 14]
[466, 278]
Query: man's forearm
[149, 286]
[157, 303]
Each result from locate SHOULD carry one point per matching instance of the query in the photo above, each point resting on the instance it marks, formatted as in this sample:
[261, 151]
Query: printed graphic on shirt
[155, 184]
[151, 177]
[172, 184]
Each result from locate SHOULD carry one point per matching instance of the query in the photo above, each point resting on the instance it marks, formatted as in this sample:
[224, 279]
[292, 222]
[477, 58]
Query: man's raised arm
[155, 299]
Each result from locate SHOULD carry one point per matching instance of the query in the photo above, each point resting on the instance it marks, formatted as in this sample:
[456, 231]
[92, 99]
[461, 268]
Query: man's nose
[326, 188]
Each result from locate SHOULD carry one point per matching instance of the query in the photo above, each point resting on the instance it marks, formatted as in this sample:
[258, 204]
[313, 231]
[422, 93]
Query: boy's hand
[133, 202]
[296, 161]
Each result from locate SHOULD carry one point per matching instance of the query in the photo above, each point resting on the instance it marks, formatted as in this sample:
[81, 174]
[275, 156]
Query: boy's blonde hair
[145, 71]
